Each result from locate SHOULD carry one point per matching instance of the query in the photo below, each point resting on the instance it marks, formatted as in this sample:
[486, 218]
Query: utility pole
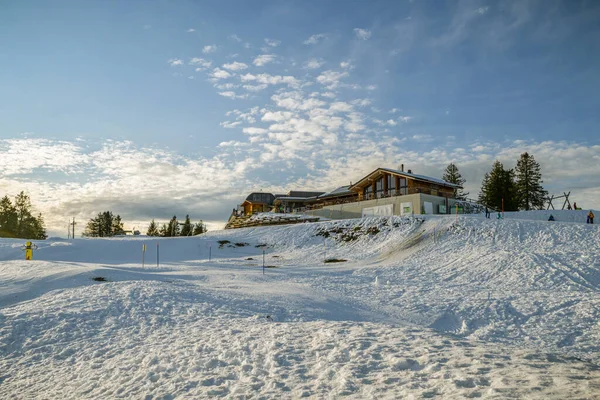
[73, 224]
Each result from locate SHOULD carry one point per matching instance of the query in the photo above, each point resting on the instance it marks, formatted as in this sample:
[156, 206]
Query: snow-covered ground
[426, 307]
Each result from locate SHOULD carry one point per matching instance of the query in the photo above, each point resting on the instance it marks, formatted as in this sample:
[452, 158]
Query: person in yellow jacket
[590, 219]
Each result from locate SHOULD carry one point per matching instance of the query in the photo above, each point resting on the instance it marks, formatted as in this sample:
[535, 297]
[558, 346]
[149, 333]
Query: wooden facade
[384, 182]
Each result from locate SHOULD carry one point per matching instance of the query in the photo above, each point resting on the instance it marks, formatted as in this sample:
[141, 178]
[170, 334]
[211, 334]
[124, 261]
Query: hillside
[428, 307]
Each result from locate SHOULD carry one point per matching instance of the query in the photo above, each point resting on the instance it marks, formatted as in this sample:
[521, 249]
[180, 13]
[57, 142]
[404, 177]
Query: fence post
[157, 254]
[263, 261]
[209, 252]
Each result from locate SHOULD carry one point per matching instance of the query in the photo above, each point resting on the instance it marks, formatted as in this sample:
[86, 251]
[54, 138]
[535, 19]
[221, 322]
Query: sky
[151, 109]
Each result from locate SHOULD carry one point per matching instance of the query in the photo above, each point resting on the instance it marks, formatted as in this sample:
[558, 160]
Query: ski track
[424, 308]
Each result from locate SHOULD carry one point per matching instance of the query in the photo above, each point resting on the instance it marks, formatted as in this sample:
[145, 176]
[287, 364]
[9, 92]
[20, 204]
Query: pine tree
[173, 227]
[530, 193]
[153, 229]
[187, 228]
[199, 228]
[104, 225]
[23, 208]
[117, 226]
[452, 175]
[164, 231]
[497, 186]
[8, 218]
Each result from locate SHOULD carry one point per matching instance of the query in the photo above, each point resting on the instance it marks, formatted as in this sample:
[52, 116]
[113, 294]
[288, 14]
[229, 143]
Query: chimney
[409, 171]
[402, 167]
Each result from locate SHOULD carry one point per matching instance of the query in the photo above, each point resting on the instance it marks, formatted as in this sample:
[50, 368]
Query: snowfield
[429, 307]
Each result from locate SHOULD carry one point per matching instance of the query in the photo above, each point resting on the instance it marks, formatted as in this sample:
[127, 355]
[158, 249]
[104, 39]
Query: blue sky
[155, 108]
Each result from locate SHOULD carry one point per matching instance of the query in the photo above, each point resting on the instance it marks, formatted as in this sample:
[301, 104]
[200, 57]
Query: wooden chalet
[385, 182]
[257, 202]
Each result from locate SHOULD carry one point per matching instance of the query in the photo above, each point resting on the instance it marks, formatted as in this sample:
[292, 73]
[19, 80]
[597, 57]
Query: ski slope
[428, 307]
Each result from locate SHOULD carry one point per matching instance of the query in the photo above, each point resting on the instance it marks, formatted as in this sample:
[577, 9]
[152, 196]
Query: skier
[487, 212]
[590, 217]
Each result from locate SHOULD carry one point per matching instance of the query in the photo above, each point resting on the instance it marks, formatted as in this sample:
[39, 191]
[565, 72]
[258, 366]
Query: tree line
[175, 228]
[106, 224]
[512, 189]
[17, 220]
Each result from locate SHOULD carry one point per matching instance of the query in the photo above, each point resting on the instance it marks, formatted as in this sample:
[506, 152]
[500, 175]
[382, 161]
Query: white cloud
[404, 118]
[226, 86]
[233, 95]
[255, 88]
[314, 64]
[268, 79]
[191, 30]
[346, 65]
[361, 102]
[254, 131]
[263, 59]
[173, 62]
[362, 34]
[235, 37]
[394, 110]
[422, 138]
[235, 66]
[209, 49]
[229, 125]
[331, 79]
[482, 10]
[272, 42]
[201, 63]
[219, 73]
[314, 39]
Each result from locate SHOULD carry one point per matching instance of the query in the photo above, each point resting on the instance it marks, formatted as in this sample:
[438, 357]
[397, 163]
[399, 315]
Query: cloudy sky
[156, 108]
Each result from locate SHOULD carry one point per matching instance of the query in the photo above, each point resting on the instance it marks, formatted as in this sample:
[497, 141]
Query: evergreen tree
[187, 227]
[173, 227]
[153, 229]
[24, 217]
[199, 228]
[17, 220]
[8, 218]
[104, 225]
[530, 193]
[164, 231]
[499, 185]
[117, 226]
[452, 175]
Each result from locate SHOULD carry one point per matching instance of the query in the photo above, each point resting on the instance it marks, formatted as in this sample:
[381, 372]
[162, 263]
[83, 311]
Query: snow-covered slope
[427, 307]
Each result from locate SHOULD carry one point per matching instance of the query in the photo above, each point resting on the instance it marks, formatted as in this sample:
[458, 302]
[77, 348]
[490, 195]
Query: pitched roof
[417, 177]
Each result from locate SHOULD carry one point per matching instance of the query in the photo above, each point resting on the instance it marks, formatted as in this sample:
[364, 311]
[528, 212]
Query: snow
[426, 307]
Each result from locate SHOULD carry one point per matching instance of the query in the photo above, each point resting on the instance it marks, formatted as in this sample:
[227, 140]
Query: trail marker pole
[263, 261]
[143, 253]
[503, 208]
[209, 252]
[157, 254]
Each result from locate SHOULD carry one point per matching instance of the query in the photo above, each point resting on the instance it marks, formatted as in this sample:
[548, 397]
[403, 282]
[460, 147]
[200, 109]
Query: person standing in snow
[487, 212]
[575, 206]
[590, 217]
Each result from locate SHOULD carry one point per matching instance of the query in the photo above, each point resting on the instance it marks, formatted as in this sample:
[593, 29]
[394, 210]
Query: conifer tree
[452, 175]
[199, 228]
[164, 231]
[530, 193]
[8, 218]
[153, 229]
[187, 228]
[173, 227]
[497, 186]
[104, 225]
